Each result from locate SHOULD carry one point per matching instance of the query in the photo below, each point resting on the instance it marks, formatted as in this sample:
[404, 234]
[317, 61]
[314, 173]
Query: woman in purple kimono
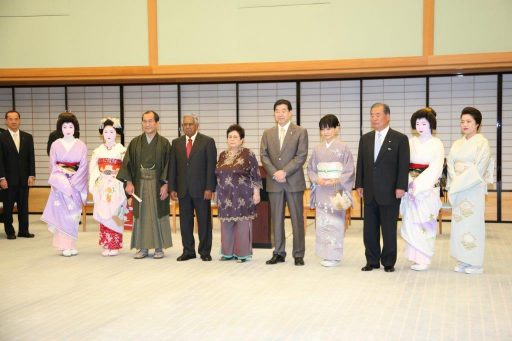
[68, 180]
[238, 193]
[331, 172]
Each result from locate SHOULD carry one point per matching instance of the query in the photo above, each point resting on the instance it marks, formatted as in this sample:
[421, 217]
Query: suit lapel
[372, 147]
[287, 137]
[384, 146]
[273, 142]
[22, 141]
[195, 145]
[11, 140]
[182, 146]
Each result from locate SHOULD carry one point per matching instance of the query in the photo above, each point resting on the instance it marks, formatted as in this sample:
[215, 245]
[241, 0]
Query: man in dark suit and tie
[192, 182]
[283, 151]
[381, 179]
[17, 173]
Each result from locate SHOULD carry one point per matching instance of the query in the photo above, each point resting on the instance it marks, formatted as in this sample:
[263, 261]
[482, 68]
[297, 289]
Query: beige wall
[204, 31]
[73, 33]
[55, 42]
[472, 26]
[76, 33]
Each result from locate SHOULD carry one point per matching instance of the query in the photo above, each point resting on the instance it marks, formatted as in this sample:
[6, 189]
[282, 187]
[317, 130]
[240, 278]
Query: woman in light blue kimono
[331, 172]
[470, 169]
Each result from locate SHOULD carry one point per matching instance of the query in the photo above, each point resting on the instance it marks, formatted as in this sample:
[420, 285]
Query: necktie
[282, 134]
[189, 147]
[17, 141]
[378, 143]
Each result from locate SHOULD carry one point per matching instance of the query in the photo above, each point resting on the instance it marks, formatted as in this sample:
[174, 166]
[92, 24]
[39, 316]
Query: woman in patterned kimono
[469, 170]
[107, 191]
[331, 172]
[238, 193]
[420, 205]
[68, 180]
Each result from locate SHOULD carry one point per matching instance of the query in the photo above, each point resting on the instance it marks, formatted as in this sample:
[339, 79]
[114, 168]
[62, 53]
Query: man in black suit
[382, 176]
[192, 181]
[17, 173]
[1, 192]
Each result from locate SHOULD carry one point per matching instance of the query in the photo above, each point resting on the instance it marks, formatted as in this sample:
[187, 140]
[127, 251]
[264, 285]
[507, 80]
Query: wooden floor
[44, 296]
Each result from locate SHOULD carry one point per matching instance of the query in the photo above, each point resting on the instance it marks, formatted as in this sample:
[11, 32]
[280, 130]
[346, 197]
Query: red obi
[417, 166]
[70, 166]
[113, 164]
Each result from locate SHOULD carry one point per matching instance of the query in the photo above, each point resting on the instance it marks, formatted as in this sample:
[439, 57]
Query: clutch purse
[341, 200]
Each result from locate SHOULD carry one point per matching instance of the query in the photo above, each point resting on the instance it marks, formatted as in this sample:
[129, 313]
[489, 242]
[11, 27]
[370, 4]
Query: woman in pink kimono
[107, 191]
[68, 180]
[420, 205]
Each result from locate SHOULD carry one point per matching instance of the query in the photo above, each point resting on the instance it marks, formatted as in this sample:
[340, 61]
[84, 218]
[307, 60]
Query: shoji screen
[340, 98]
[90, 104]
[5, 101]
[507, 147]
[215, 105]
[140, 98]
[257, 108]
[449, 95]
[403, 95]
[39, 108]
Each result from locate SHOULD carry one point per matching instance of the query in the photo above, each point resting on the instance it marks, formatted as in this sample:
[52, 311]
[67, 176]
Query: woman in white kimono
[107, 191]
[420, 205]
[331, 171]
[469, 170]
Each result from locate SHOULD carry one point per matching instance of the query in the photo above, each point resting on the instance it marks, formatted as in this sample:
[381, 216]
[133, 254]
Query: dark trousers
[18, 195]
[204, 219]
[376, 218]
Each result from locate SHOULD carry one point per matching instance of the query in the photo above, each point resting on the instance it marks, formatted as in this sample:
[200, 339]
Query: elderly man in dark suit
[17, 173]
[381, 179]
[283, 151]
[192, 182]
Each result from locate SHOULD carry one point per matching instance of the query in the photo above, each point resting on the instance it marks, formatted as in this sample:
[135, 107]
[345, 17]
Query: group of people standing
[393, 175]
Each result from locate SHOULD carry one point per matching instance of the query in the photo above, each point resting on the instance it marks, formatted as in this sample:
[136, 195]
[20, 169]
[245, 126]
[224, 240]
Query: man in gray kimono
[145, 170]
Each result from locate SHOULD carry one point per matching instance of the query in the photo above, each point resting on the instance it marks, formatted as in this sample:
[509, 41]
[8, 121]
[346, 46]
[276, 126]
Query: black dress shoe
[299, 261]
[275, 259]
[369, 267]
[185, 257]
[26, 235]
[389, 268]
[11, 236]
[206, 258]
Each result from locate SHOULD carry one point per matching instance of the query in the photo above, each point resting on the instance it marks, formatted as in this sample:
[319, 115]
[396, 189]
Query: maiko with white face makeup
[109, 135]
[68, 129]
[107, 191]
[420, 205]
[423, 127]
[68, 180]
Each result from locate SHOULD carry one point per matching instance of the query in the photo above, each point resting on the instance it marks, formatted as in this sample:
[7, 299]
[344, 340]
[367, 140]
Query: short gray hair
[194, 116]
[384, 106]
